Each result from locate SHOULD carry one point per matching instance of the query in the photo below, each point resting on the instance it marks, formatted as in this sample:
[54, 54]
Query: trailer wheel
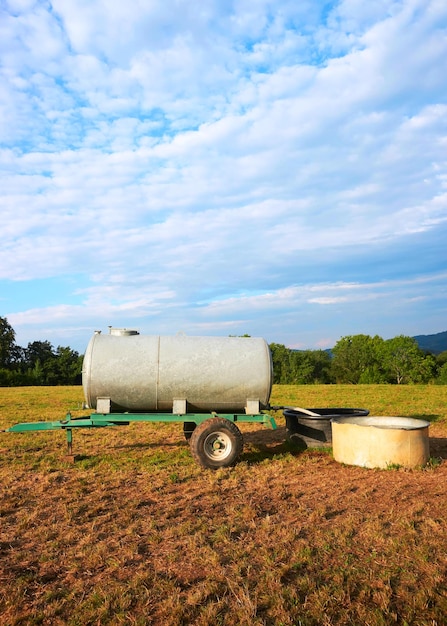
[216, 442]
[188, 429]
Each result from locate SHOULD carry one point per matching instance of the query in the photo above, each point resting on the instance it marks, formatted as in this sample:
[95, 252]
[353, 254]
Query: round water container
[150, 372]
[380, 441]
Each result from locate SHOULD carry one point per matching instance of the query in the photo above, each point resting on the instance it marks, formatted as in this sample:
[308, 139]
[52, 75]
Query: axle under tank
[145, 373]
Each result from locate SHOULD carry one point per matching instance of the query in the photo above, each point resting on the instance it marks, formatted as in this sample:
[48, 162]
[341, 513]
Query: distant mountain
[433, 343]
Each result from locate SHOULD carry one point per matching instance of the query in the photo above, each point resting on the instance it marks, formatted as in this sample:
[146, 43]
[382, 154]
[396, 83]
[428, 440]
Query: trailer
[207, 383]
[215, 440]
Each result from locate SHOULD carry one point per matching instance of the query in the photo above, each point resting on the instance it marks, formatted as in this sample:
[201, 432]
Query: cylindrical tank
[147, 372]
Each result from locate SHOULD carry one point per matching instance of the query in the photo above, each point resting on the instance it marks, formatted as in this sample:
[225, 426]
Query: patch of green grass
[393, 466]
[425, 401]
[433, 463]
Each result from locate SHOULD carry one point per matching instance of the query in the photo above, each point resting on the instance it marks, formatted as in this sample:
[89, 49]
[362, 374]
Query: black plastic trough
[313, 431]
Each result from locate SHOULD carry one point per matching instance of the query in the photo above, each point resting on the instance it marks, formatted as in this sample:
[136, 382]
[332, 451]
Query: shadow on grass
[438, 447]
[259, 453]
[148, 446]
[262, 445]
[259, 445]
[432, 418]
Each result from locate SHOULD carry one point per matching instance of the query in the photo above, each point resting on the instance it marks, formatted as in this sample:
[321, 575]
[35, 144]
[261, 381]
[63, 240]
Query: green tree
[427, 370]
[309, 367]
[356, 359]
[405, 362]
[48, 366]
[7, 343]
[41, 351]
[39, 357]
[68, 365]
[322, 362]
[281, 363]
[442, 375]
[38, 364]
[300, 367]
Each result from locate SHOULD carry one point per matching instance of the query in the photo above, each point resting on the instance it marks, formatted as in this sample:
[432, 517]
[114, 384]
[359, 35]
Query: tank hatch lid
[123, 332]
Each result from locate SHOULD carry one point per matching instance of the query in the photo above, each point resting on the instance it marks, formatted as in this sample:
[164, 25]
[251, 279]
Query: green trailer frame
[214, 439]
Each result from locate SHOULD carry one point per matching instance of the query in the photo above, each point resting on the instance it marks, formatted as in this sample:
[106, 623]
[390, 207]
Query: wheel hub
[217, 445]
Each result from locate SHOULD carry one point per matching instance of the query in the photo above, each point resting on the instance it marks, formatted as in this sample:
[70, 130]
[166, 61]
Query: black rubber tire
[216, 443]
[188, 429]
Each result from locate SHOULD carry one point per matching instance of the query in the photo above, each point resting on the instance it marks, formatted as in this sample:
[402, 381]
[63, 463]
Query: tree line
[37, 364]
[360, 359]
[355, 359]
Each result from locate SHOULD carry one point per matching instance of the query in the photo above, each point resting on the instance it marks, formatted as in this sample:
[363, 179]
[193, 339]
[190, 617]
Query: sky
[223, 167]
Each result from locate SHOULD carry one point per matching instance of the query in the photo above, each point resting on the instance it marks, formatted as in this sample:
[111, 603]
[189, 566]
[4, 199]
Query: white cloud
[228, 149]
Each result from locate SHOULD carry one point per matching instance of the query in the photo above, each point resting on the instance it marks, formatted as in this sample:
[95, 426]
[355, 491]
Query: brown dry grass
[136, 533]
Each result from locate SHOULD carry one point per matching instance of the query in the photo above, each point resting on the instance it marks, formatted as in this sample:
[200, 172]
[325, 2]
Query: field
[134, 532]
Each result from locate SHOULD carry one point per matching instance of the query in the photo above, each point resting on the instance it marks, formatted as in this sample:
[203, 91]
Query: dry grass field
[135, 532]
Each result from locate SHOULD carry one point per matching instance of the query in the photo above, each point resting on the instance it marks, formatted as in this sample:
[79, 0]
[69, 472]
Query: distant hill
[433, 343]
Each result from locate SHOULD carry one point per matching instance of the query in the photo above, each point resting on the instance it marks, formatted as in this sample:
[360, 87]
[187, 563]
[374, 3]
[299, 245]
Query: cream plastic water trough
[380, 441]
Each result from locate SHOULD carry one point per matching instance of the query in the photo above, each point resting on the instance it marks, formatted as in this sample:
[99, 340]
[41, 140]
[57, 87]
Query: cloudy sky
[276, 168]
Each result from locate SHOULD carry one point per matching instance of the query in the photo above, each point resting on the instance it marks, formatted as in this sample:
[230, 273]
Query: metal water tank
[150, 372]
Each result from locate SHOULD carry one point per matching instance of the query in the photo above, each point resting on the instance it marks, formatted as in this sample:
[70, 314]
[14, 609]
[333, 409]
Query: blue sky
[223, 167]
